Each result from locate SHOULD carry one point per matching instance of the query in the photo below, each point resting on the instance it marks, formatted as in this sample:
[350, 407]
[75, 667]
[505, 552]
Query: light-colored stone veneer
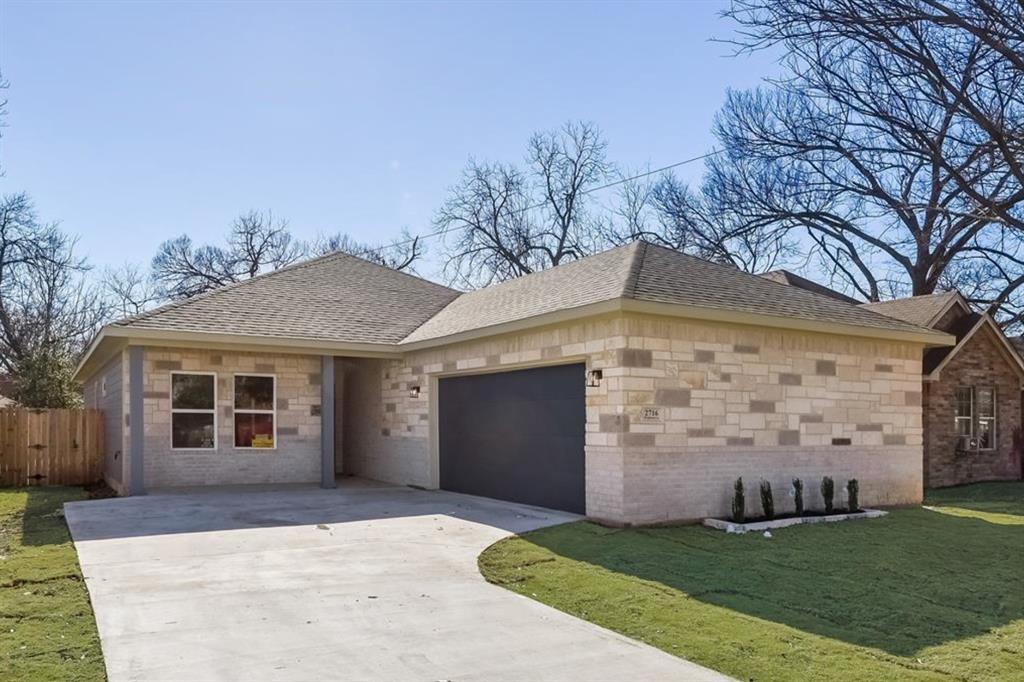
[296, 458]
[372, 441]
[685, 407]
[107, 390]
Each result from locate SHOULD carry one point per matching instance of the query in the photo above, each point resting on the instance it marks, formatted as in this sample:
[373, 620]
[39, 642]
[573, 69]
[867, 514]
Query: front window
[193, 411]
[255, 417]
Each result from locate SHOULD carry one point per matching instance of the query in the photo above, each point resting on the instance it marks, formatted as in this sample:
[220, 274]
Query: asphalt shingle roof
[601, 277]
[643, 272]
[795, 280]
[332, 298]
[919, 310]
[341, 298]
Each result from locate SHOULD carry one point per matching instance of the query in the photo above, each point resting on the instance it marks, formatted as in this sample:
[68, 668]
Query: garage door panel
[516, 436]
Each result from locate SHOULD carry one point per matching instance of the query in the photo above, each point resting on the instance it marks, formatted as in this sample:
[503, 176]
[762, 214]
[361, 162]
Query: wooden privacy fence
[50, 447]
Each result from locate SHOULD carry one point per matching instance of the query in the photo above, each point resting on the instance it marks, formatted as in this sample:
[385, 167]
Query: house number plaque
[650, 415]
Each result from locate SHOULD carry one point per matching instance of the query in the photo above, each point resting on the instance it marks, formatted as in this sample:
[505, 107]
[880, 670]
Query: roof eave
[926, 337]
[114, 337]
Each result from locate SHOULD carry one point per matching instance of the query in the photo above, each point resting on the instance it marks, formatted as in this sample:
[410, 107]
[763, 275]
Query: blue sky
[134, 122]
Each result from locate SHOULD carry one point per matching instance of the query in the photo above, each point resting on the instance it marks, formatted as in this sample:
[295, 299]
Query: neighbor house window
[985, 406]
[193, 411]
[255, 420]
[976, 418]
[964, 412]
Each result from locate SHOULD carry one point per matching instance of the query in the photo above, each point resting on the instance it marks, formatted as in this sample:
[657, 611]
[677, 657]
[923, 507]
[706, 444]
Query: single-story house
[633, 386]
[971, 392]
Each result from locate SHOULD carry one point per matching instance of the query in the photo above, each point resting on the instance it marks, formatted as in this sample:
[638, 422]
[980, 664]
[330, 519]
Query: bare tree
[893, 141]
[3, 112]
[129, 290]
[400, 254]
[45, 299]
[257, 243]
[667, 212]
[501, 221]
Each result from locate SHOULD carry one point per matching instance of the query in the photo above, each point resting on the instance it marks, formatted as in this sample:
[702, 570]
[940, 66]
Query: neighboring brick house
[633, 386]
[972, 392]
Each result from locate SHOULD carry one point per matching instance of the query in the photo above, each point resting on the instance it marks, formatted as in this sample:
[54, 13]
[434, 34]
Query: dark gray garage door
[515, 436]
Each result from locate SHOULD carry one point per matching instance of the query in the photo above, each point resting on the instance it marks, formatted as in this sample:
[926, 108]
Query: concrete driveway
[361, 583]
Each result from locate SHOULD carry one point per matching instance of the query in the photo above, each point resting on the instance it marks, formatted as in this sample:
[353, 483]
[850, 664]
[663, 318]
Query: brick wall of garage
[758, 403]
[728, 401]
[392, 429]
[297, 456]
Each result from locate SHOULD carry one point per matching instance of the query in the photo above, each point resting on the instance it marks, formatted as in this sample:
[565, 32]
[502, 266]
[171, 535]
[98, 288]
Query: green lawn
[47, 629]
[934, 593]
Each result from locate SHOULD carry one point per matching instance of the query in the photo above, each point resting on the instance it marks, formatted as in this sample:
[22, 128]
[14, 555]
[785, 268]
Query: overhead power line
[615, 183]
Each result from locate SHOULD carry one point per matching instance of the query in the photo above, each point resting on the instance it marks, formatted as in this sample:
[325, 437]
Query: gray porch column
[327, 422]
[136, 423]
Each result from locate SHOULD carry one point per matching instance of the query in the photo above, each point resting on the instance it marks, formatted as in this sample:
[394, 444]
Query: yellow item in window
[262, 441]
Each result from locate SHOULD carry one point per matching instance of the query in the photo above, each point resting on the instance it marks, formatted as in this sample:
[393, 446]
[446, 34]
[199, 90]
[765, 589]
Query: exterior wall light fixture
[594, 378]
[414, 391]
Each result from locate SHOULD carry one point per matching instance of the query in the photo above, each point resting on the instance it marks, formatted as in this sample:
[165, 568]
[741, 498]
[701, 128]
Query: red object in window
[254, 430]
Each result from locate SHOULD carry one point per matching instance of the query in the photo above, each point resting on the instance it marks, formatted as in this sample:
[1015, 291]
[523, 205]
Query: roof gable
[933, 370]
[925, 310]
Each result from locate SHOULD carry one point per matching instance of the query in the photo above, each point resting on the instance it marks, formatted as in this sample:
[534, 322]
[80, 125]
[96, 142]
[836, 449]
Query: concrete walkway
[360, 583]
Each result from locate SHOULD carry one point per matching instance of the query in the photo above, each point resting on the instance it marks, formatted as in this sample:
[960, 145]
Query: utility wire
[621, 181]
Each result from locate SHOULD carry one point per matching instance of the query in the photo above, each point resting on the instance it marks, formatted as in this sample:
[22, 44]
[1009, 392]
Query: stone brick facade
[980, 363]
[379, 435]
[296, 459]
[685, 407]
[107, 391]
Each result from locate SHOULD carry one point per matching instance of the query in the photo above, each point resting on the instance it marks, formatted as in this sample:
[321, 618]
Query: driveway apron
[360, 583]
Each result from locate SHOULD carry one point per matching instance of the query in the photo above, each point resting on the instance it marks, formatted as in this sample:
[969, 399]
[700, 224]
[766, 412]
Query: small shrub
[828, 492]
[739, 503]
[852, 492]
[767, 502]
[798, 496]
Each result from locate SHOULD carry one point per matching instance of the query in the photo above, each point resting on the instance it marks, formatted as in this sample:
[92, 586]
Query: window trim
[235, 411]
[170, 396]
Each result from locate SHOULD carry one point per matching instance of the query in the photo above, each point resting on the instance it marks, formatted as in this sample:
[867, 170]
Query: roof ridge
[937, 294]
[635, 267]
